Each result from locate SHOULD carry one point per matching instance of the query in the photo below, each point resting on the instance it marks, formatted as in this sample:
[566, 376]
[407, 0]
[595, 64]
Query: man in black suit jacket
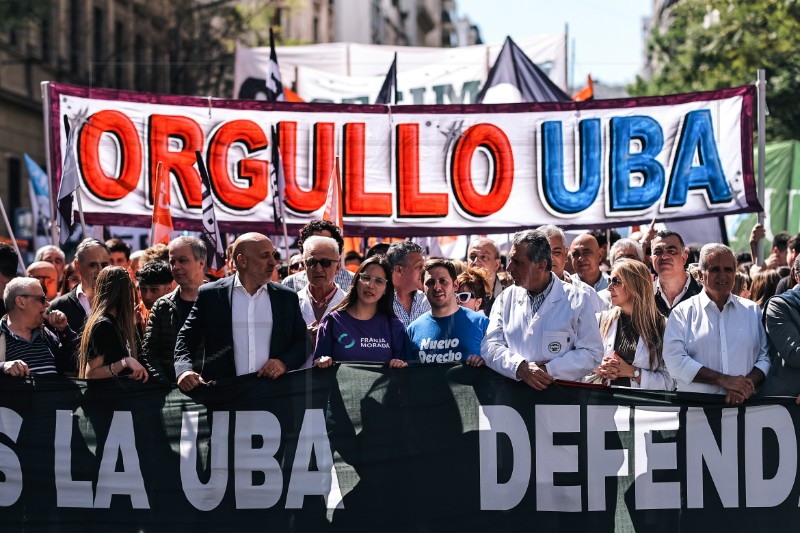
[210, 346]
[91, 257]
[673, 285]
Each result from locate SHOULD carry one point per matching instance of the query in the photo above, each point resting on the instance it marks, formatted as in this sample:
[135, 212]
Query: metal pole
[51, 195]
[80, 212]
[762, 108]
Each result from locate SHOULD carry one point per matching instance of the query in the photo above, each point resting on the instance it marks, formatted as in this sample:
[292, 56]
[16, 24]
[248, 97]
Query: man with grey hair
[91, 257]
[485, 254]
[187, 261]
[715, 342]
[405, 258]
[55, 256]
[322, 294]
[31, 348]
[558, 253]
[540, 329]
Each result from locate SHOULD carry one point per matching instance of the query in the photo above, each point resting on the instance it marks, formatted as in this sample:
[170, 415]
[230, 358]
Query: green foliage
[689, 55]
[15, 13]
[202, 55]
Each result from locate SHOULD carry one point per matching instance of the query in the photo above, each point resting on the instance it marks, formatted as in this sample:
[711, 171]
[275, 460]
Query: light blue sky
[607, 33]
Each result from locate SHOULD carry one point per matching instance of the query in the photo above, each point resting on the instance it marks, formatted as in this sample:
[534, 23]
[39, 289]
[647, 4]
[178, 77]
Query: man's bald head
[47, 274]
[585, 253]
[241, 244]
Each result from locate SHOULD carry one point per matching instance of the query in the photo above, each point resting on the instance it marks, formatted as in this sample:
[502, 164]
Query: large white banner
[434, 170]
[353, 73]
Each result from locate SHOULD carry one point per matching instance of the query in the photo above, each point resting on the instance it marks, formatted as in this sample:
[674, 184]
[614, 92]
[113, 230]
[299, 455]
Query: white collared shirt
[731, 341]
[251, 321]
[660, 292]
[83, 299]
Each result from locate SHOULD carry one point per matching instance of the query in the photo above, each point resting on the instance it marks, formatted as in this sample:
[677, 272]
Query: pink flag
[333, 202]
[162, 217]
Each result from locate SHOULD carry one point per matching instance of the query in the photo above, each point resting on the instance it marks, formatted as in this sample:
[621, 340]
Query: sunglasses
[615, 282]
[367, 279]
[276, 255]
[464, 297]
[311, 263]
[296, 266]
[41, 297]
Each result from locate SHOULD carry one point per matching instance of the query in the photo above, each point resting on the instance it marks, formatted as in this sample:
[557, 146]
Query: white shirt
[251, 321]
[83, 299]
[562, 332]
[659, 292]
[307, 308]
[731, 341]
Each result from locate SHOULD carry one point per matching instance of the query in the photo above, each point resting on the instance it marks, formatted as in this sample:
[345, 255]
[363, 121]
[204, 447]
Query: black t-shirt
[625, 344]
[183, 308]
[107, 341]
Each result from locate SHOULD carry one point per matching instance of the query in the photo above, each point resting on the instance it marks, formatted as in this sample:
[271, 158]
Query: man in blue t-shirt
[447, 333]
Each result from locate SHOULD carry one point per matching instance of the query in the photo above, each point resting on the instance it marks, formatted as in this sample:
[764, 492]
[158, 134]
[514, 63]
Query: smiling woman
[363, 327]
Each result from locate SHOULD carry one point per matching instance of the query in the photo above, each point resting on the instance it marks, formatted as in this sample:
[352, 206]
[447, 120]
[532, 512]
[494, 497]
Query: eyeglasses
[276, 255]
[615, 282]
[367, 279]
[311, 263]
[464, 297]
[296, 266]
[41, 297]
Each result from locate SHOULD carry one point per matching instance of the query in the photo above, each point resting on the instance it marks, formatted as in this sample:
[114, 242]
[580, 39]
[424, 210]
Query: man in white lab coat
[540, 329]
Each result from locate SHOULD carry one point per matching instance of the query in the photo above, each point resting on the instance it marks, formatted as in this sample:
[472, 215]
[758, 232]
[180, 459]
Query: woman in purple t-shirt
[363, 327]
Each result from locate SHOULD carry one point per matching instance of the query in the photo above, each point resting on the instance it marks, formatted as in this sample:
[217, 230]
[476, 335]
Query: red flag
[333, 202]
[587, 93]
[162, 217]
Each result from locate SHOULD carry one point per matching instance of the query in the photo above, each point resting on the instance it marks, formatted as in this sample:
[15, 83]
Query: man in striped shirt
[410, 303]
[26, 347]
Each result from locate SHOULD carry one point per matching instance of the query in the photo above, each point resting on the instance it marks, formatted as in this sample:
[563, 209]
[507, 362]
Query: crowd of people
[643, 311]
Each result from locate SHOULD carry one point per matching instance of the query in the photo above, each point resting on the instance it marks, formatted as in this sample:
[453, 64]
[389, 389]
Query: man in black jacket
[91, 257]
[187, 261]
[673, 285]
[245, 323]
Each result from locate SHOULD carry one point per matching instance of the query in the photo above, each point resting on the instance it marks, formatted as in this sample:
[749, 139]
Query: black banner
[368, 448]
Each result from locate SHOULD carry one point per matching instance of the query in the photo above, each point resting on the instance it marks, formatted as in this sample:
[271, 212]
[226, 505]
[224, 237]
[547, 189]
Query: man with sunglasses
[322, 294]
[448, 333]
[325, 228]
[673, 284]
[245, 323]
[29, 347]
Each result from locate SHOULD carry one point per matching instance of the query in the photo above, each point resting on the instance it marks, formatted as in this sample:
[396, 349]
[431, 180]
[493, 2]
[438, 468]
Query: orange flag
[333, 202]
[587, 93]
[162, 217]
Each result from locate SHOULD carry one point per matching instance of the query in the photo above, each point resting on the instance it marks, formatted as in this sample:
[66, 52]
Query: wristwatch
[636, 373]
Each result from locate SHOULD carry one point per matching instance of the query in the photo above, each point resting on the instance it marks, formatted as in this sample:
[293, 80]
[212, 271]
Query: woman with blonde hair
[109, 344]
[632, 332]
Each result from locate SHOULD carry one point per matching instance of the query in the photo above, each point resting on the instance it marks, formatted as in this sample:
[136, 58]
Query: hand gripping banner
[357, 446]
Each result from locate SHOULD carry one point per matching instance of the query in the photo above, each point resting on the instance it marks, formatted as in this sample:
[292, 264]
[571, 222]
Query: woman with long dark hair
[109, 344]
[364, 327]
[632, 332]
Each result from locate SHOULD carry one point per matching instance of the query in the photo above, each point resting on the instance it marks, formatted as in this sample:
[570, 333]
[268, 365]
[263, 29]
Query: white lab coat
[562, 332]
